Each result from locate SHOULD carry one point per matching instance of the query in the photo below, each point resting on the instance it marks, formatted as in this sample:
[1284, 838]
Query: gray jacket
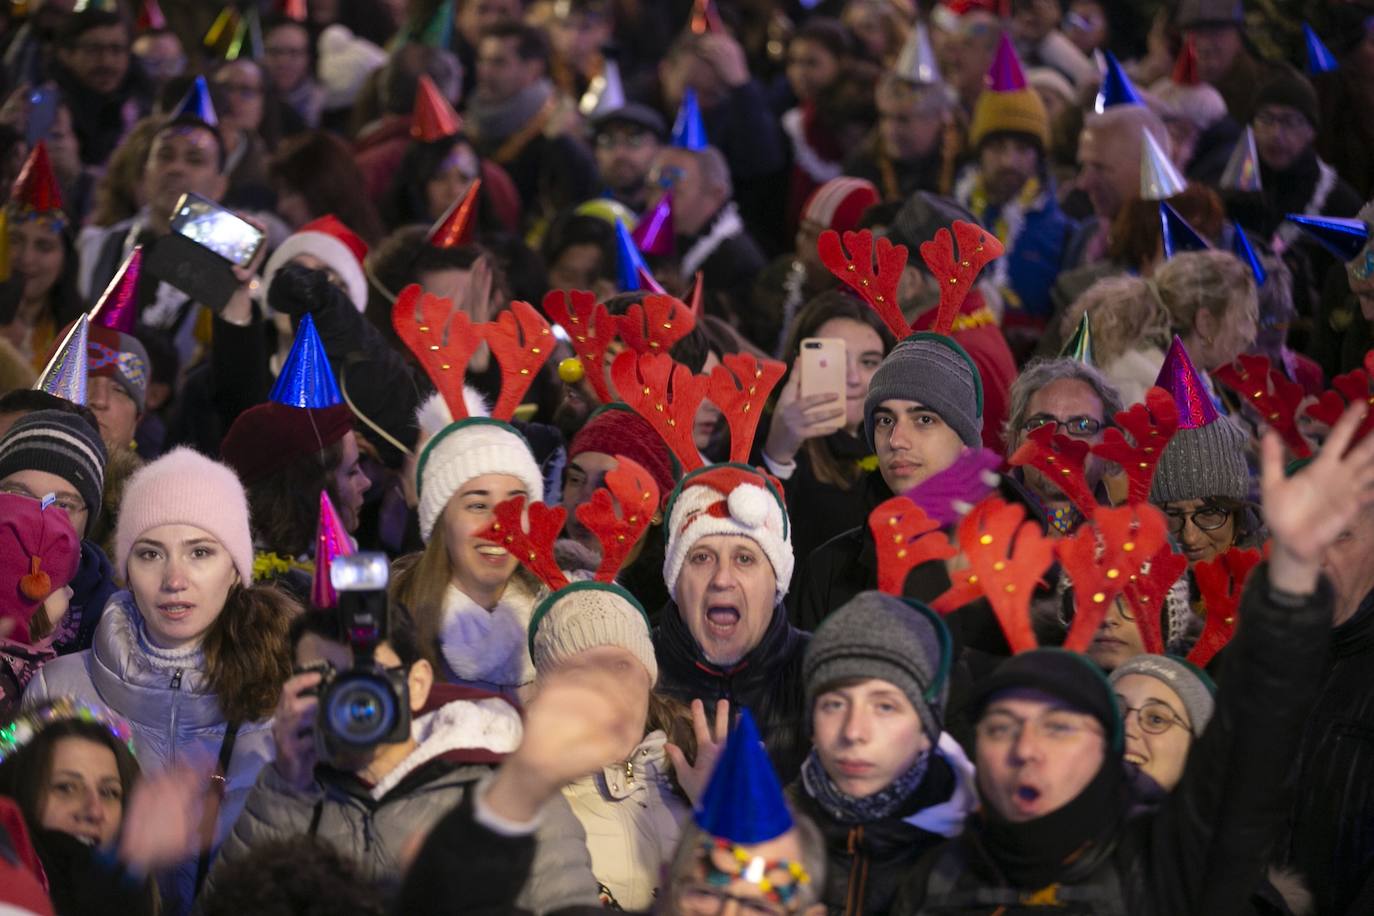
[174, 716]
[466, 732]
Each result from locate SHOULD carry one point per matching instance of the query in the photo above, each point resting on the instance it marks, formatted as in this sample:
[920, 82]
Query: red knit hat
[39, 551]
[293, 433]
[619, 431]
[840, 202]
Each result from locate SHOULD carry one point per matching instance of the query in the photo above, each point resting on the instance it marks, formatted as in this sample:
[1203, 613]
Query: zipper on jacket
[175, 687]
[176, 680]
[858, 874]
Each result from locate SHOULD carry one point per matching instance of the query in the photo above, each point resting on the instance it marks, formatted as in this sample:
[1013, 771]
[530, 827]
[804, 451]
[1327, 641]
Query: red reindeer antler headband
[1273, 396]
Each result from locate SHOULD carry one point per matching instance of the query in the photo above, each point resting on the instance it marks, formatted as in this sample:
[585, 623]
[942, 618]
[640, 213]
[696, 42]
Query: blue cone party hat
[1240, 247]
[65, 374]
[1080, 346]
[632, 272]
[1117, 88]
[1345, 238]
[688, 131]
[1319, 56]
[1180, 378]
[196, 104]
[1178, 235]
[743, 802]
[306, 380]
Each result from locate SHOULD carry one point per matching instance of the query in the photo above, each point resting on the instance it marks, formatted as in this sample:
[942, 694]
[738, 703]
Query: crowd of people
[686, 456]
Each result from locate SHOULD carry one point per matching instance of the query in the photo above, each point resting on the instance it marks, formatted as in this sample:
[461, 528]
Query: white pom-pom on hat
[748, 505]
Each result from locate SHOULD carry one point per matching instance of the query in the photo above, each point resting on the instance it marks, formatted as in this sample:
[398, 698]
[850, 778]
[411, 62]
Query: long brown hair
[830, 305]
[247, 651]
[285, 505]
[24, 776]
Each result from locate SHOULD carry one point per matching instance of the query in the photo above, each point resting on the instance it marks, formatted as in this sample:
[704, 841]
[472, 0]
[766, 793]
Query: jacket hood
[458, 726]
[947, 818]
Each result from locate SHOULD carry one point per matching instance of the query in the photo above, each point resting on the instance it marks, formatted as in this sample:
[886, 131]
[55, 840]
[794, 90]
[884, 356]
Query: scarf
[1036, 853]
[1006, 221]
[493, 122]
[846, 808]
[726, 225]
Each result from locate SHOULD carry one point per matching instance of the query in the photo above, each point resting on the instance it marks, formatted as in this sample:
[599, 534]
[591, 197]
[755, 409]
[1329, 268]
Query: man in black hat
[626, 140]
[1216, 29]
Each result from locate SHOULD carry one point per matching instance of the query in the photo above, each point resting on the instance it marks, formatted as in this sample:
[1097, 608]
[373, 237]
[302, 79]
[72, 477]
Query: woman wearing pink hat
[193, 654]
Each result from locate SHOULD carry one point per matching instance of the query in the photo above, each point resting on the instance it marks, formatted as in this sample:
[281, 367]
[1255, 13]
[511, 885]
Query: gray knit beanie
[935, 371]
[1202, 463]
[875, 635]
[1193, 686]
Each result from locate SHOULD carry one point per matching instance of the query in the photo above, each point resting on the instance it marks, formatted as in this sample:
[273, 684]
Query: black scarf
[1036, 853]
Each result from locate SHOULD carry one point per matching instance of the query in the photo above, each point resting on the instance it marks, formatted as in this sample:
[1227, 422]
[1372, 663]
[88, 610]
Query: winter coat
[459, 736]
[1205, 848]
[632, 817]
[486, 649]
[1327, 837]
[175, 718]
[768, 680]
[867, 863]
[1036, 256]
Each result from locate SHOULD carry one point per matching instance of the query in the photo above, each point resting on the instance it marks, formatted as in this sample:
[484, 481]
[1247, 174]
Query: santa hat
[840, 202]
[333, 243]
[732, 499]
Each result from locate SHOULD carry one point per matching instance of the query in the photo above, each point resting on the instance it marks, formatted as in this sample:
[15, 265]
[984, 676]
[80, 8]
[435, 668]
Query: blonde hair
[1128, 313]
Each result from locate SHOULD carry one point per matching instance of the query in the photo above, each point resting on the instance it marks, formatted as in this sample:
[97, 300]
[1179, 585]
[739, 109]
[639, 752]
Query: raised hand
[796, 419]
[162, 823]
[694, 776]
[1307, 512]
[293, 729]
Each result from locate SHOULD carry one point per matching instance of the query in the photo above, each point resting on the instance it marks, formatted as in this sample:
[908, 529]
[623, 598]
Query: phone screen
[208, 224]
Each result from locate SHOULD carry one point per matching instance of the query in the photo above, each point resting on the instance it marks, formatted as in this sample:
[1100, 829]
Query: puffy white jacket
[174, 716]
[632, 818]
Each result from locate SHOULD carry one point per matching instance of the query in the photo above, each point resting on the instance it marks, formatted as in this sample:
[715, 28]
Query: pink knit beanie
[183, 487]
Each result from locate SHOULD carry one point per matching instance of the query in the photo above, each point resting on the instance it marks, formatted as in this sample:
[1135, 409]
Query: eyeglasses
[1055, 726]
[635, 140]
[1077, 427]
[68, 504]
[241, 89]
[696, 899]
[1208, 518]
[1289, 123]
[1156, 716]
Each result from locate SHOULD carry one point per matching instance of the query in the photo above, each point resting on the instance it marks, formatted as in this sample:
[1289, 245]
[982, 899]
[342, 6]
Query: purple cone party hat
[605, 93]
[633, 273]
[331, 542]
[1240, 247]
[1180, 378]
[1242, 169]
[118, 307]
[653, 234]
[1345, 238]
[916, 63]
[1159, 178]
[306, 379]
[1319, 56]
[1117, 88]
[1005, 74]
[688, 131]
[65, 374]
[196, 104]
[743, 802]
[1178, 235]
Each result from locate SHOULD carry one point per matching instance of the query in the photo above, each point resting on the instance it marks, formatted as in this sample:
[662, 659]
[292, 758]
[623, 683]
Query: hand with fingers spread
[694, 776]
[579, 722]
[796, 419]
[293, 729]
[162, 824]
[1307, 512]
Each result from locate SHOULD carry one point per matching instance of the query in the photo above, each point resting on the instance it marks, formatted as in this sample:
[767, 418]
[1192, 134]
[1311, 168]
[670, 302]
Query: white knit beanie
[728, 499]
[183, 487]
[588, 615]
[467, 449]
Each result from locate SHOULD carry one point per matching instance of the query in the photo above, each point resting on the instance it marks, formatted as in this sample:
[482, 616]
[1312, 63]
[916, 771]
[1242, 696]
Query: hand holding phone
[222, 231]
[812, 402]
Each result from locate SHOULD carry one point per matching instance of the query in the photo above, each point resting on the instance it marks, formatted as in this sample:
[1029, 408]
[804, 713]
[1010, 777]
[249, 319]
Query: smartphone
[211, 226]
[42, 113]
[822, 371]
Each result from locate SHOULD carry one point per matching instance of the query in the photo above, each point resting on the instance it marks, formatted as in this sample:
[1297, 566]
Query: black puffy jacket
[768, 681]
[1206, 847]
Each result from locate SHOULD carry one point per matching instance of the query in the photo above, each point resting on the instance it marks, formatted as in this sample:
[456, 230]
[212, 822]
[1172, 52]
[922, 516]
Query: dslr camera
[367, 704]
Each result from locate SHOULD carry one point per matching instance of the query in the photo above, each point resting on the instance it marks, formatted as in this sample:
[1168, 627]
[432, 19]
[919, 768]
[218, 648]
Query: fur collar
[489, 646]
[491, 724]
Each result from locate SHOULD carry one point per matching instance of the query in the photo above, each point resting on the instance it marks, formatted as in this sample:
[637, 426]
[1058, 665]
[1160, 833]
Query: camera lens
[361, 711]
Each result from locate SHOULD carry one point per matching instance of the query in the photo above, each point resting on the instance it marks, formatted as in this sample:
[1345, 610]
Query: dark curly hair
[293, 876]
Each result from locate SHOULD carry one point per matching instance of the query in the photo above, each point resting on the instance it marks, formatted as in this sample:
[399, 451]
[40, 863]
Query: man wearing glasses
[104, 92]
[625, 141]
[1081, 402]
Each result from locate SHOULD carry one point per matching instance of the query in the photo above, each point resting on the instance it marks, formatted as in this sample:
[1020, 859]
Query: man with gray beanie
[58, 452]
[883, 782]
